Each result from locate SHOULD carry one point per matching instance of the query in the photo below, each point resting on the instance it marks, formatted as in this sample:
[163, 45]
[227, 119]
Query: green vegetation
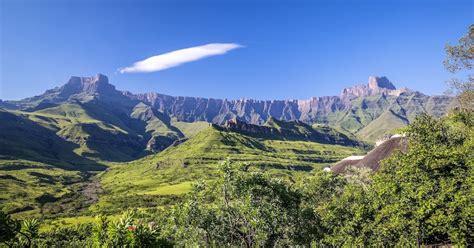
[75, 132]
[426, 194]
[77, 159]
[459, 59]
[189, 129]
[420, 197]
[52, 176]
[384, 124]
[270, 191]
[18, 132]
[374, 116]
[40, 189]
[158, 175]
[297, 130]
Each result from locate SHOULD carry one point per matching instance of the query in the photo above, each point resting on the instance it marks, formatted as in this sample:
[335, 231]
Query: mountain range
[366, 110]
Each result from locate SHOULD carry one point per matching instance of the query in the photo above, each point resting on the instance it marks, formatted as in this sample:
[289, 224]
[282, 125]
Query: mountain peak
[97, 79]
[89, 85]
[376, 85]
[380, 82]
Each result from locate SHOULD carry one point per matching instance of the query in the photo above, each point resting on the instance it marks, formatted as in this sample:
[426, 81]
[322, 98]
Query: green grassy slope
[363, 111]
[372, 116]
[45, 156]
[158, 129]
[171, 172]
[22, 138]
[189, 129]
[384, 124]
[40, 172]
[31, 188]
[103, 140]
[101, 132]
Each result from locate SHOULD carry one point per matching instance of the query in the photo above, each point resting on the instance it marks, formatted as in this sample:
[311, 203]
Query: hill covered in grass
[171, 172]
[30, 188]
[23, 138]
[371, 117]
[77, 139]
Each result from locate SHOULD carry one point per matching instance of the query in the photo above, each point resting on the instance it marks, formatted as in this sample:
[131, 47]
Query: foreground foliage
[460, 58]
[422, 196]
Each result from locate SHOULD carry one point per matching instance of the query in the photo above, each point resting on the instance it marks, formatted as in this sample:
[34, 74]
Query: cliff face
[315, 109]
[376, 85]
[87, 85]
[219, 110]
[239, 126]
[296, 130]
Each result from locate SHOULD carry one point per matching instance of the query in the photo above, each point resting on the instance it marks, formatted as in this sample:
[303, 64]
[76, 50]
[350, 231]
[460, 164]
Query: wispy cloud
[179, 57]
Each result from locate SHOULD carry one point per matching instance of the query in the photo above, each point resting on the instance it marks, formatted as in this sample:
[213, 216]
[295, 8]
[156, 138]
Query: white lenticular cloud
[179, 57]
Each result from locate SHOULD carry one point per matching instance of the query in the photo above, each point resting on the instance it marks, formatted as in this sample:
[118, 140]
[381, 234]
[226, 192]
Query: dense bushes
[132, 229]
[422, 196]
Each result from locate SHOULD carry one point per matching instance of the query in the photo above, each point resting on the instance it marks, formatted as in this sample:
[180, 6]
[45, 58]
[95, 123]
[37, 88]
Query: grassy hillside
[363, 111]
[47, 156]
[108, 140]
[22, 138]
[384, 124]
[189, 129]
[372, 116]
[160, 177]
[32, 188]
[90, 130]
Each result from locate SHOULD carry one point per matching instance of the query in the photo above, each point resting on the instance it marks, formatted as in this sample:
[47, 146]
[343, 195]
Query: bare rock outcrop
[374, 157]
[375, 85]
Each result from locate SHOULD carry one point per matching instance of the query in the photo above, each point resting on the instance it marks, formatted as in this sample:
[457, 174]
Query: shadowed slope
[21, 138]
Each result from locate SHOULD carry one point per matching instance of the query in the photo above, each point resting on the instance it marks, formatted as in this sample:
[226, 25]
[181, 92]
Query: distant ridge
[353, 111]
[292, 130]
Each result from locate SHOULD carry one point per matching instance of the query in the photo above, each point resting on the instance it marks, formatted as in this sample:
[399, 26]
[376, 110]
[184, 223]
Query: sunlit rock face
[258, 111]
[98, 84]
[375, 86]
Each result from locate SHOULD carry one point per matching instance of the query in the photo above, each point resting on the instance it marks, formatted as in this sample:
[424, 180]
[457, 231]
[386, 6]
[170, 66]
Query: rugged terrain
[86, 146]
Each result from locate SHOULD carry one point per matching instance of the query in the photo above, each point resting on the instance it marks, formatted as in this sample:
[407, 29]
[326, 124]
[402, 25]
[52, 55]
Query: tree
[424, 196]
[29, 231]
[133, 229]
[99, 231]
[242, 208]
[460, 57]
[317, 191]
[341, 208]
[16, 232]
[8, 228]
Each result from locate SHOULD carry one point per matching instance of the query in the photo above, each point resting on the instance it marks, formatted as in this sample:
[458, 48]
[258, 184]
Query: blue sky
[291, 49]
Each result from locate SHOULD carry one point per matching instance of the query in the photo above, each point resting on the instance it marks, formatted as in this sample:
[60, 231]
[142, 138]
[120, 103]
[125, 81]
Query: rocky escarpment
[86, 85]
[353, 110]
[375, 86]
[315, 109]
[290, 130]
[242, 127]
[258, 111]
[192, 109]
